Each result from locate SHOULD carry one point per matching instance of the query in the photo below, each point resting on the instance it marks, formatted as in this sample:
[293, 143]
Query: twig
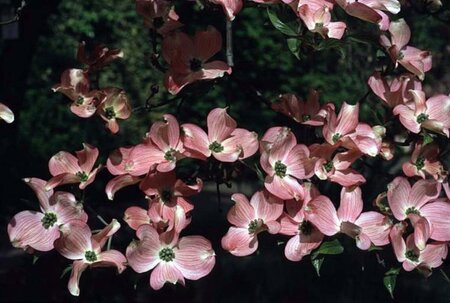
[16, 16]
[229, 51]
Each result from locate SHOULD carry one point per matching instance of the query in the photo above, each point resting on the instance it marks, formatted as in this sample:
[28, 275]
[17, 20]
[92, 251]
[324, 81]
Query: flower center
[280, 169]
[167, 254]
[109, 113]
[328, 166]
[336, 137]
[90, 256]
[412, 210]
[196, 65]
[305, 228]
[158, 22]
[319, 25]
[170, 155]
[79, 101]
[306, 118]
[254, 225]
[215, 147]
[166, 195]
[420, 162]
[412, 256]
[422, 118]
[49, 220]
[82, 175]
[400, 56]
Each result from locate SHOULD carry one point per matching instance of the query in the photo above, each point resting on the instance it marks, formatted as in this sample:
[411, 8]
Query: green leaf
[374, 248]
[328, 248]
[390, 277]
[317, 263]
[393, 271]
[331, 43]
[294, 46]
[285, 28]
[65, 271]
[35, 259]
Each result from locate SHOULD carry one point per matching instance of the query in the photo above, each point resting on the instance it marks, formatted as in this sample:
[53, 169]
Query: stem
[17, 15]
[229, 51]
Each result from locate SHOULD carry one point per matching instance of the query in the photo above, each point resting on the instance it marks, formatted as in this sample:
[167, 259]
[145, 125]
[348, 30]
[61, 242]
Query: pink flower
[114, 106]
[230, 7]
[6, 113]
[158, 15]
[365, 228]
[79, 244]
[99, 57]
[68, 169]
[317, 17]
[285, 162]
[305, 236]
[75, 85]
[189, 58]
[224, 140]
[39, 230]
[414, 60]
[172, 259]
[336, 168]
[430, 257]
[336, 128]
[249, 219]
[424, 161]
[308, 113]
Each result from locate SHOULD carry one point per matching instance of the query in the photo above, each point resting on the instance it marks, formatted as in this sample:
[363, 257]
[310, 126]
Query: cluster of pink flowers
[110, 103]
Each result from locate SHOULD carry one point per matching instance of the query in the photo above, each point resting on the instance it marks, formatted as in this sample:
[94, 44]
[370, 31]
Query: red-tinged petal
[242, 212]
[247, 142]
[67, 208]
[347, 119]
[43, 195]
[398, 197]
[213, 70]
[363, 12]
[143, 157]
[351, 204]
[143, 255]
[397, 241]
[26, 229]
[434, 254]
[118, 183]
[176, 82]
[298, 162]
[302, 245]
[63, 162]
[6, 114]
[293, 251]
[289, 226]
[438, 214]
[407, 118]
[273, 227]
[91, 177]
[230, 7]
[187, 190]
[207, 43]
[376, 226]
[195, 138]
[266, 206]
[136, 216]
[400, 33]
[194, 257]
[284, 188]
[165, 272]
[336, 30]
[438, 108]
[73, 82]
[102, 236]
[77, 269]
[424, 191]
[323, 215]
[347, 178]
[85, 110]
[178, 44]
[220, 125]
[87, 157]
[363, 241]
[239, 242]
[422, 231]
[65, 178]
[111, 258]
[282, 146]
[75, 240]
[410, 170]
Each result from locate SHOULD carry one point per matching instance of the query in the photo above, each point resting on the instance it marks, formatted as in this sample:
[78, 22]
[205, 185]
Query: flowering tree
[327, 146]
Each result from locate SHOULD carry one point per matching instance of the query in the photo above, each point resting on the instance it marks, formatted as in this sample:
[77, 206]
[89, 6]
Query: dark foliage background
[49, 32]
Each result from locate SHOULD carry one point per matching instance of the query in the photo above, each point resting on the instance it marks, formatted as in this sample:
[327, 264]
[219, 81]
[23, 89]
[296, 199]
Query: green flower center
[158, 22]
[167, 254]
[328, 166]
[412, 210]
[319, 25]
[196, 65]
[336, 137]
[166, 195]
[82, 175]
[280, 169]
[79, 101]
[420, 162]
[305, 228]
[412, 256]
[254, 225]
[306, 118]
[215, 147]
[422, 118]
[49, 220]
[400, 56]
[109, 113]
[170, 155]
[90, 256]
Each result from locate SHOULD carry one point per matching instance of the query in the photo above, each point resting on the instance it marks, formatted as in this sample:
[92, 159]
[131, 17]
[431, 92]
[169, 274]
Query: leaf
[65, 271]
[389, 280]
[331, 43]
[294, 46]
[35, 259]
[317, 263]
[285, 28]
[373, 248]
[393, 271]
[328, 248]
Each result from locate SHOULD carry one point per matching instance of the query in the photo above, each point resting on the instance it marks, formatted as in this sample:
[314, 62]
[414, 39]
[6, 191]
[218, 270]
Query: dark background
[31, 62]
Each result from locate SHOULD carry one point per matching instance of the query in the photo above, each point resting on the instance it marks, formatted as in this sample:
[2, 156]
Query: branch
[229, 52]
[16, 16]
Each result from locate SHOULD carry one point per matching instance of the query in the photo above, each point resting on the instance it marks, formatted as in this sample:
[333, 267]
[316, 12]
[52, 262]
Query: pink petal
[77, 269]
[375, 226]
[434, 254]
[323, 215]
[239, 242]
[87, 157]
[397, 241]
[351, 204]
[165, 272]
[6, 114]
[230, 7]
[407, 118]
[207, 43]
[266, 206]
[65, 178]
[242, 212]
[195, 138]
[398, 197]
[118, 183]
[102, 236]
[213, 70]
[438, 214]
[63, 162]
[75, 240]
[298, 162]
[136, 216]
[143, 255]
[422, 230]
[424, 191]
[194, 257]
[112, 258]
[43, 195]
[284, 188]
[400, 33]
[347, 119]
[67, 208]
[347, 178]
[220, 125]
[363, 12]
